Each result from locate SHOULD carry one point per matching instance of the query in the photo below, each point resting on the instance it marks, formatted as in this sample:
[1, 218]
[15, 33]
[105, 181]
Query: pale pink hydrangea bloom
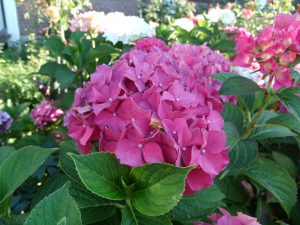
[156, 104]
[275, 48]
[89, 21]
[226, 219]
[45, 113]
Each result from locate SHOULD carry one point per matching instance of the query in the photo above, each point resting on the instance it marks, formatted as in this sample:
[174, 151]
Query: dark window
[2, 18]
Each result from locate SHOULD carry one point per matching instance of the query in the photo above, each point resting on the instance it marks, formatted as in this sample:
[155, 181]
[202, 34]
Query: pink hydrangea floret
[226, 219]
[156, 104]
[45, 114]
[275, 48]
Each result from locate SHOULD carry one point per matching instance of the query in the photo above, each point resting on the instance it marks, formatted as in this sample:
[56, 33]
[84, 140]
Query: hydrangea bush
[160, 134]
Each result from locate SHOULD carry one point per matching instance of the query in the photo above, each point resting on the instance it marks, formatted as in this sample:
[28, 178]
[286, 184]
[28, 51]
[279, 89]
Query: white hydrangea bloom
[184, 23]
[118, 27]
[227, 17]
[214, 15]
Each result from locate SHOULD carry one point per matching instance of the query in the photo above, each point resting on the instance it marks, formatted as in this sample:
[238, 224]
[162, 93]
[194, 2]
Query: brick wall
[129, 7]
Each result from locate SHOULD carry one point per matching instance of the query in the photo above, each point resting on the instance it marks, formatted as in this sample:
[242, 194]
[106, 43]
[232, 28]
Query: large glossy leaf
[95, 214]
[271, 131]
[239, 86]
[85, 198]
[19, 166]
[66, 162]
[158, 187]
[290, 101]
[233, 114]
[55, 45]
[285, 162]
[275, 179]
[49, 187]
[101, 173]
[197, 206]
[287, 120]
[57, 207]
[242, 155]
[232, 134]
[224, 76]
[128, 217]
[5, 153]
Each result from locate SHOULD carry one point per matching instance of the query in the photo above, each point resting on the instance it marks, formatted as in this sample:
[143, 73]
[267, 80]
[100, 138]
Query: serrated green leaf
[242, 155]
[5, 153]
[86, 199]
[276, 180]
[287, 120]
[196, 206]
[271, 131]
[224, 76]
[95, 214]
[48, 188]
[128, 217]
[233, 114]
[159, 187]
[101, 173]
[290, 101]
[66, 162]
[285, 162]
[57, 207]
[232, 134]
[55, 45]
[19, 166]
[239, 86]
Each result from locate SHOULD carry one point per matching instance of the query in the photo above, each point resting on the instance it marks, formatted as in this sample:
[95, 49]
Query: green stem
[257, 117]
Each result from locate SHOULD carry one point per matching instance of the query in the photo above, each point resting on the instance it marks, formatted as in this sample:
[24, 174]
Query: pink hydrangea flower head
[275, 48]
[225, 218]
[156, 104]
[45, 113]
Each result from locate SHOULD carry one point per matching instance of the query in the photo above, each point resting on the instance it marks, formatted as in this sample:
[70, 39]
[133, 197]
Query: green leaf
[224, 45]
[271, 131]
[290, 101]
[224, 76]
[233, 114]
[63, 221]
[239, 86]
[285, 162]
[276, 180]
[101, 50]
[55, 45]
[232, 134]
[19, 166]
[61, 73]
[48, 188]
[287, 120]
[149, 220]
[5, 153]
[64, 76]
[57, 207]
[86, 199]
[95, 214]
[159, 187]
[197, 206]
[242, 155]
[128, 217]
[66, 162]
[101, 173]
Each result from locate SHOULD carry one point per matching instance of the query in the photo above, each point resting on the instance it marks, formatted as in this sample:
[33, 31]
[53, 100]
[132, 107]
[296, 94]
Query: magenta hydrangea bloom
[275, 48]
[45, 113]
[156, 104]
[5, 121]
[226, 219]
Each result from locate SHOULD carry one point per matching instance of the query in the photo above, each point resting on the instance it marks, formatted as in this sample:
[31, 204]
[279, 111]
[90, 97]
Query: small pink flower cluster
[227, 219]
[275, 48]
[88, 21]
[156, 104]
[45, 113]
